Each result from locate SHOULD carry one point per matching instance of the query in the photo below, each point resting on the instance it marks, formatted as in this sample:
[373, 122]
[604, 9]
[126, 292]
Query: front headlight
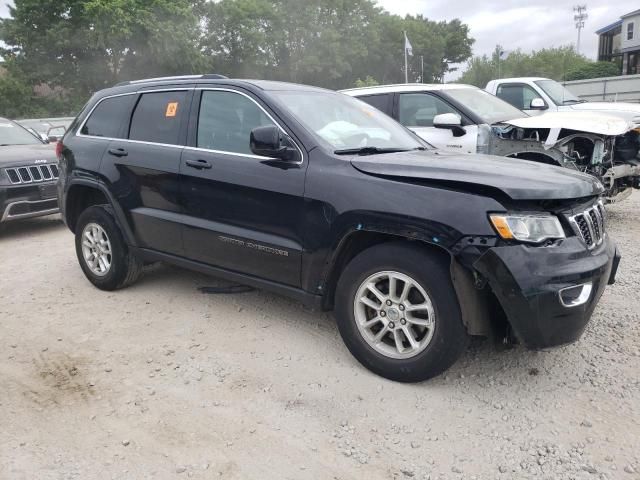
[527, 228]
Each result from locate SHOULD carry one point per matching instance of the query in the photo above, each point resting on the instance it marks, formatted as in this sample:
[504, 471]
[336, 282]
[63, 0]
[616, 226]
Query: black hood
[19, 155]
[518, 179]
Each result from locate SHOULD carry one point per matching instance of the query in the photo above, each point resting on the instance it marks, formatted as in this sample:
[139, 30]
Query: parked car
[462, 118]
[28, 174]
[48, 129]
[536, 95]
[318, 196]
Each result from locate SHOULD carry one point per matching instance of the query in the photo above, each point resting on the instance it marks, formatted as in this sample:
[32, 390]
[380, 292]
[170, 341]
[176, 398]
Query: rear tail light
[59, 148]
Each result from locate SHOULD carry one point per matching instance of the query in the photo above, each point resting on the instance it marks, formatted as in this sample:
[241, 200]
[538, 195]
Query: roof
[4, 120]
[631, 14]
[405, 87]
[608, 28]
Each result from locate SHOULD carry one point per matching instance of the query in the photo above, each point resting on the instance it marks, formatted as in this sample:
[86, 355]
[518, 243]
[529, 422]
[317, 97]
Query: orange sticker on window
[172, 109]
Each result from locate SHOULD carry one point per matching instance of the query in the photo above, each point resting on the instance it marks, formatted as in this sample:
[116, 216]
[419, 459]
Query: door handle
[198, 164]
[118, 152]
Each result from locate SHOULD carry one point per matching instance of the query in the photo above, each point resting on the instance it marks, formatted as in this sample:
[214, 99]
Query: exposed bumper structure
[549, 293]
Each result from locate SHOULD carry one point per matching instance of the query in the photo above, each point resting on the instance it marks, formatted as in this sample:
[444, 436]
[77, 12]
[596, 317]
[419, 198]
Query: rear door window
[157, 117]
[108, 118]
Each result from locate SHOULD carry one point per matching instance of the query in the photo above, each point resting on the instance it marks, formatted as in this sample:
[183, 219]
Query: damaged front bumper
[549, 293]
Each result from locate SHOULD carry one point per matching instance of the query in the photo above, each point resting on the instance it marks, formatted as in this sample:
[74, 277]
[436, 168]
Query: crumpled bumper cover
[527, 280]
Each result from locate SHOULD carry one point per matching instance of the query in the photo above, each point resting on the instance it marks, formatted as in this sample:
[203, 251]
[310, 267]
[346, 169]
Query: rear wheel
[102, 252]
[398, 313]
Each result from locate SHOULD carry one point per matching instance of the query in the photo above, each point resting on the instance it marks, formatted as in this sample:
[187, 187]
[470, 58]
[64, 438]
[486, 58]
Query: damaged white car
[463, 118]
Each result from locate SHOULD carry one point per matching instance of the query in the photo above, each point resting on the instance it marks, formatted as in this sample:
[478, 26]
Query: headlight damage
[527, 228]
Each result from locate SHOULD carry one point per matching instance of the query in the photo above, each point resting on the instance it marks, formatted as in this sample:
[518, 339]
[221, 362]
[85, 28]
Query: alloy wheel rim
[394, 314]
[96, 249]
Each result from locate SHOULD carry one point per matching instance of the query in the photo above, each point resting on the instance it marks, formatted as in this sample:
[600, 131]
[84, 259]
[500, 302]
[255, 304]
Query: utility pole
[421, 68]
[580, 17]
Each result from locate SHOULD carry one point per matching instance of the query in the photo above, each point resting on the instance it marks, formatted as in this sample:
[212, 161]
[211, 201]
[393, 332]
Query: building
[620, 43]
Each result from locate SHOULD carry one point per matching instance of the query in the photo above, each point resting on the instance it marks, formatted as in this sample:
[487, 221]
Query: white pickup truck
[536, 95]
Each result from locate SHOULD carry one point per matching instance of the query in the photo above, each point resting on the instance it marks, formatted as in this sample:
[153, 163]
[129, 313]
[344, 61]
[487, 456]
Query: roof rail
[207, 76]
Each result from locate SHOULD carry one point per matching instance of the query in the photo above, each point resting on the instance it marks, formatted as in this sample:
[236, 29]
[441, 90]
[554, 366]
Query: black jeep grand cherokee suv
[321, 197]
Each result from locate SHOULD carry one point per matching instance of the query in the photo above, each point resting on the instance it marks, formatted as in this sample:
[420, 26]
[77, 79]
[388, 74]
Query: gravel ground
[161, 381]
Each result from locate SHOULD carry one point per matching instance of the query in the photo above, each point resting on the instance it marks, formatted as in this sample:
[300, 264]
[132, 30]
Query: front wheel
[398, 313]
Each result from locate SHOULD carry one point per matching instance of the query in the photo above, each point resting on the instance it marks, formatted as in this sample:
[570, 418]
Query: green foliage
[84, 45]
[79, 46]
[552, 63]
[18, 99]
[369, 81]
[329, 43]
[594, 70]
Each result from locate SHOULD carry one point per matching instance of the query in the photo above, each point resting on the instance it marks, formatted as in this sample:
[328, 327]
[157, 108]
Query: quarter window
[226, 120]
[419, 109]
[108, 117]
[157, 117]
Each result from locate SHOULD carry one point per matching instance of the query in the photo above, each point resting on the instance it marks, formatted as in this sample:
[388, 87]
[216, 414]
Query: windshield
[346, 123]
[13, 134]
[557, 92]
[489, 108]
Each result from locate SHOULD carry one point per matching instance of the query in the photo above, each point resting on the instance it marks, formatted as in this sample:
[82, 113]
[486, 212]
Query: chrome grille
[590, 225]
[32, 174]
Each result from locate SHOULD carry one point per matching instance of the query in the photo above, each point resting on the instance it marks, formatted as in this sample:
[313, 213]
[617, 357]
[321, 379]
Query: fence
[625, 88]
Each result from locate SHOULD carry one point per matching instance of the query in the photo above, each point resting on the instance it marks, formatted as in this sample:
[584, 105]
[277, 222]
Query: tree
[369, 81]
[329, 43]
[552, 63]
[19, 100]
[76, 47]
[86, 45]
[594, 70]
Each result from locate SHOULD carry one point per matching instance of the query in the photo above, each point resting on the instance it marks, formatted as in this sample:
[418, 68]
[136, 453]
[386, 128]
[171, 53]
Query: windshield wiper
[370, 150]
[572, 100]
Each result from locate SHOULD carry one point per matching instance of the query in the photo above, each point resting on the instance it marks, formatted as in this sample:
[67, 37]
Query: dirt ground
[161, 381]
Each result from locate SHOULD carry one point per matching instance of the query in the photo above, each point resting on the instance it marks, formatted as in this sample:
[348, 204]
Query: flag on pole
[407, 46]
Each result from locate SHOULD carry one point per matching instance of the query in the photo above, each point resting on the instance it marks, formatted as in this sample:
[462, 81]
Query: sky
[512, 23]
[528, 25]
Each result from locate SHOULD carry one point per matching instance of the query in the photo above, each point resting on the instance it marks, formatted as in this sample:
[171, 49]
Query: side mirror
[538, 104]
[270, 141]
[450, 121]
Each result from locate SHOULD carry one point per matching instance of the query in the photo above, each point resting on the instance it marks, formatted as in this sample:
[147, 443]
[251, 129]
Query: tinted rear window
[108, 117]
[157, 117]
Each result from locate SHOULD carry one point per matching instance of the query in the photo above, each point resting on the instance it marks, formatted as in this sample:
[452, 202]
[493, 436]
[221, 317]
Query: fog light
[576, 295]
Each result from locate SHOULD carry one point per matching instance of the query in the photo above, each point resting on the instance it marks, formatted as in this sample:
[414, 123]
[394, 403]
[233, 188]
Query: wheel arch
[474, 304]
[359, 240]
[82, 194]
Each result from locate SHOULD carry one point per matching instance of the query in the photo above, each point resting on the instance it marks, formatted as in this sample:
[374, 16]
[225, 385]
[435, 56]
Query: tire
[96, 225]
[436, 324]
